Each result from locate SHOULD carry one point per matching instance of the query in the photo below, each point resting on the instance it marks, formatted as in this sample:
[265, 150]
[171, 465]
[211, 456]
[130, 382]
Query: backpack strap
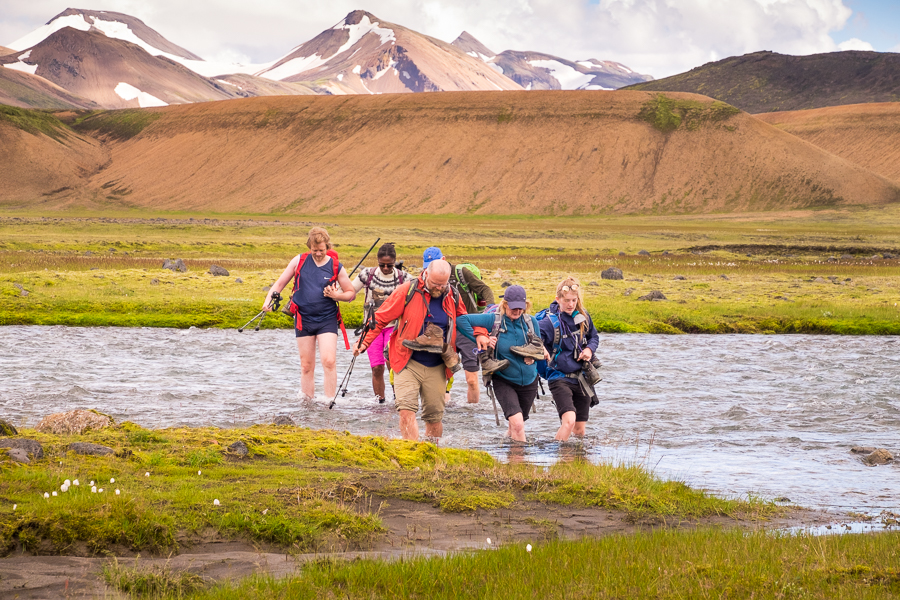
[335, 262]
[498, 318]
[554, 320]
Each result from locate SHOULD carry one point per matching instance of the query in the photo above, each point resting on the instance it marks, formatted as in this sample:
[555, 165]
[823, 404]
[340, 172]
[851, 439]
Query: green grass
[668, 114]
[89, 270]
[160, 582]
[118, 124]
[299, 489]
[32, 121]
[708, 563]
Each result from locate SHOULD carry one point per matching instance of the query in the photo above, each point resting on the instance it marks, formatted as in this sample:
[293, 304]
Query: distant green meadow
[809, 272]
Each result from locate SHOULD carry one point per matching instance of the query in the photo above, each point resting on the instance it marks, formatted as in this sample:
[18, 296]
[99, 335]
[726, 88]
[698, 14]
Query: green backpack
[461, 281]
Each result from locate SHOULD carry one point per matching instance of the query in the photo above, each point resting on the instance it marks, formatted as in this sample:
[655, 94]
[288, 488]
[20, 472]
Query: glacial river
[772, 416]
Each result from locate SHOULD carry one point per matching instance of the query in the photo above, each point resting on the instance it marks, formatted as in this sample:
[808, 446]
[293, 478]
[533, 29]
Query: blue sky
[656, 37]
[874, 21]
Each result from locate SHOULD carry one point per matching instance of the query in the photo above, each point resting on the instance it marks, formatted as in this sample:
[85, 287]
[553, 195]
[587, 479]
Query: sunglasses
[569, 288]
[386, 265]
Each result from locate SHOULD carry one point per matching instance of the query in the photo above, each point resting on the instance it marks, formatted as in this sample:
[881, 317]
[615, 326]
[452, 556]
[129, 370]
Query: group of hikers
[421, 330]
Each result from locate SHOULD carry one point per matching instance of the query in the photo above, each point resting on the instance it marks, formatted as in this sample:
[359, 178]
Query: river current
[771, 416]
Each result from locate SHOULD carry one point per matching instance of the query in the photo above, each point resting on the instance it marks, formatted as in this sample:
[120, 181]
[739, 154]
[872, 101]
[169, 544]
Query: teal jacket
[512, 333]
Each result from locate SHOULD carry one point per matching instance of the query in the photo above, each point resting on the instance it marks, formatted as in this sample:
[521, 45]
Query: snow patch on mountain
[23, 66]
[568, 78]
[43, 32]
[145, 100]
[356, 32]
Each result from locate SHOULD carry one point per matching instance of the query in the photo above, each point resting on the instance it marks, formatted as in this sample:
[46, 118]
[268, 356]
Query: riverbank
[810, 272]
[292, 505]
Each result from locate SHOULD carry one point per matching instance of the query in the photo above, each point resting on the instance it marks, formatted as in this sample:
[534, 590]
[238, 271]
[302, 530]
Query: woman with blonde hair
[516, 342]
[320, 281]
[571, 339]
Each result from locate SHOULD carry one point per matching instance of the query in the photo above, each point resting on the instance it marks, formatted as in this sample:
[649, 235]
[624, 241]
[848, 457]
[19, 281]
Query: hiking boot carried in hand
[451, 358]
[533, 348]
[490, 365]
[430, 341]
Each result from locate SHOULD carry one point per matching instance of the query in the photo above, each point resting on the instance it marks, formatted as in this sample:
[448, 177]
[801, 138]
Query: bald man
[422, 347]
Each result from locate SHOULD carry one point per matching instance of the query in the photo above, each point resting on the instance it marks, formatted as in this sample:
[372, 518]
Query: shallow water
[772, 416]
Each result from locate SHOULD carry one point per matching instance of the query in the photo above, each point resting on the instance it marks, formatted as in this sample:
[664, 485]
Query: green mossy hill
[34, 122]
[765, 81]
[117, 124]
[668, 114]
[298, 489]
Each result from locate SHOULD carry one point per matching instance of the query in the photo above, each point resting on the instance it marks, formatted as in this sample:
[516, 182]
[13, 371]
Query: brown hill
[550, 152]
[91, 65]
[30, 91]
[41, 157]
[865, 134]
[765, 81]
[4, 51]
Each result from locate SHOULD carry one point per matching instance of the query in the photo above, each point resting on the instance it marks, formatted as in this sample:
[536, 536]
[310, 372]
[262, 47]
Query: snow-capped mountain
[364, 55]
[124, 27]
[539, 71]
[112, 72]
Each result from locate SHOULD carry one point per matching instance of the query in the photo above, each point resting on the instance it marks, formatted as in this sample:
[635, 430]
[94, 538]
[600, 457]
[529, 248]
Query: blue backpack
[542, 366]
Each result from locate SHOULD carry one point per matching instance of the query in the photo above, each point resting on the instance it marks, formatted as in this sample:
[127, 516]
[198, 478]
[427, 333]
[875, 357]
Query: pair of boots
[532, 348]
[432, 340]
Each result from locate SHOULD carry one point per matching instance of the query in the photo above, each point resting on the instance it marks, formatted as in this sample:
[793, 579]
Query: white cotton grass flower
[489, 541]
[75, 482]
[93, 489]
[46, 495]
[117, 492]
[147, 474]
[67, 483]
[100, 491]
[528, 548]
[112, 480]
[216, 502]
[92, 482]
[264, 512]
[14, 506]
[199, 472]
[54, 493]
[64, 488]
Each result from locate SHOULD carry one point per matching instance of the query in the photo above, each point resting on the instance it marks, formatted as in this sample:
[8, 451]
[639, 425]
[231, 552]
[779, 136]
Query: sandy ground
[413, 529]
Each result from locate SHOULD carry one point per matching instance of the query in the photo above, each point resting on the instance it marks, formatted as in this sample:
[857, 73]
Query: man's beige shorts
[418, 380]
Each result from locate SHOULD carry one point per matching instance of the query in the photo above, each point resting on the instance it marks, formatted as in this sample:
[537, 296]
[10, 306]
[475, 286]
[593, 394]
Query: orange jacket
[411, 319]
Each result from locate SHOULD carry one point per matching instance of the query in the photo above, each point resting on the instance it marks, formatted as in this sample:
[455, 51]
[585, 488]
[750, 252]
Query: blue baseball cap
[515, 297]
[430, 254]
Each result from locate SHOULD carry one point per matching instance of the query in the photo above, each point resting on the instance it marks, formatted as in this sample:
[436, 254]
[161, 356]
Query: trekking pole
[490, 391]
[343, 385]
[363, 258]
[276, 302]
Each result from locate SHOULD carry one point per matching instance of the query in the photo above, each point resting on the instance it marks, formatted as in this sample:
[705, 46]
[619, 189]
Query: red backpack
[294, 309]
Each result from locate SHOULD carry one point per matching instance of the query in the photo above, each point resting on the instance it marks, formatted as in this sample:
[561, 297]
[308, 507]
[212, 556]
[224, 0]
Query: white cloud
[659, 37]
[855, 44]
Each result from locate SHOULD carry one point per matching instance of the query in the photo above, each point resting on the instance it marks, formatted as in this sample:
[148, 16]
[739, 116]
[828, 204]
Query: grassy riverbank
[810, 272]
[711, 563]
[298, 489]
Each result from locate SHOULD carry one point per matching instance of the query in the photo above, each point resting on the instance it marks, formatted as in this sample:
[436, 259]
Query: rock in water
[879, 457]
[218, 271]
[653, 296]
[612, 273]
[283, 420]
[239, 448]
[76, 421]
[31, 447]
[90, 449]
[6, 428]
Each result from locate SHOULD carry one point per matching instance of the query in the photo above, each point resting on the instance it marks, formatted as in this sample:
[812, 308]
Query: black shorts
[314, 329]
[569, 397]
[515, 399]
[469, 359]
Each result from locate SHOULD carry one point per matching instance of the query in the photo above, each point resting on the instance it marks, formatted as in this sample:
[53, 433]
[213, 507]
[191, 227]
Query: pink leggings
[376, 348]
